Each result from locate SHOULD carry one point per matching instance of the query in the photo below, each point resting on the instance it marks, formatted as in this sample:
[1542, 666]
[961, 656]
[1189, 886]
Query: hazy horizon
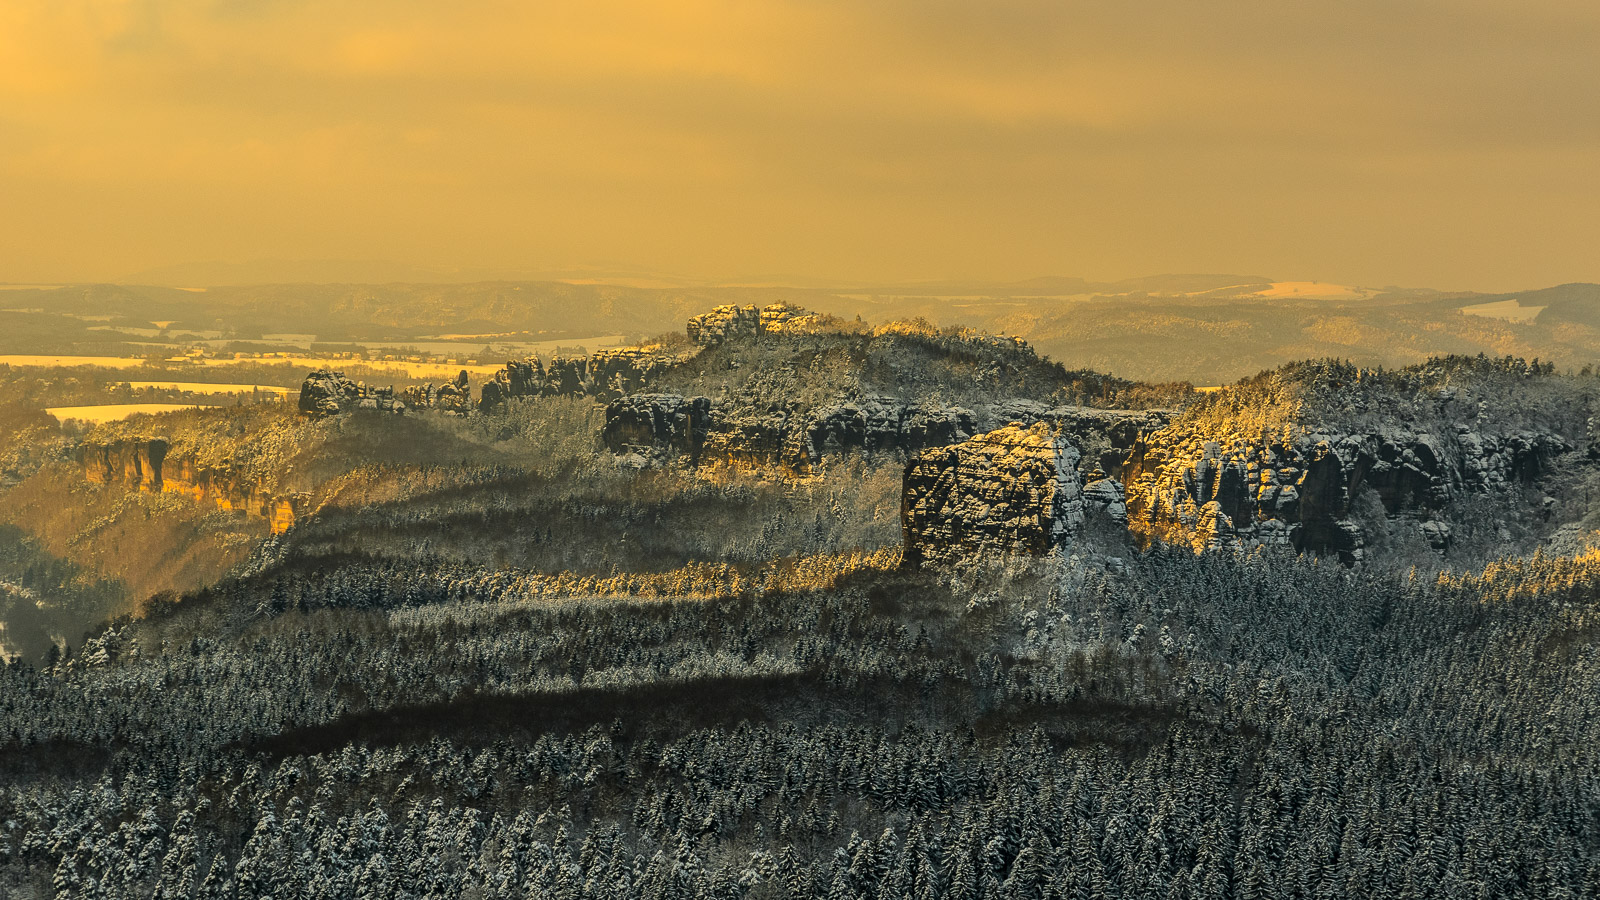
[377, 272]
[1422, 144]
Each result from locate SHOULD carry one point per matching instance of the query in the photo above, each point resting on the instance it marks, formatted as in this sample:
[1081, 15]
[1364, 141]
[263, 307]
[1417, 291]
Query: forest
[497, 659]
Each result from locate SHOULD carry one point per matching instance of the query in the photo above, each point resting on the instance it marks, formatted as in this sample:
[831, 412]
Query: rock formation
[1104, 436]
[650, 422]
[144, 464]
[135, 464]
[723, 323]
[881, 425]
[1105, 496]
[452, 396]
[1014, 489]
[603, 375]
[728, 322]
[778, 436]
[1187, 485]
[798, 440]
[326, 392]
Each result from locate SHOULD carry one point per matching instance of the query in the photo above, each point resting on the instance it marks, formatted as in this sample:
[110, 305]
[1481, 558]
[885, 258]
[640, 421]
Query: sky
[1451, 144]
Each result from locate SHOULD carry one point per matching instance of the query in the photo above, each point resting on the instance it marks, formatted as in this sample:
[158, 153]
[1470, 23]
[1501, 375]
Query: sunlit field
[1509, 310]
[411, 369]
[113, 412]
[1313, 290]
[106, 362]
[395, 367]
[201, 387]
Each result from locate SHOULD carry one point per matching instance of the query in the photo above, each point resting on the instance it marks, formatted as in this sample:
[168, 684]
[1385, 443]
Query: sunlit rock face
[1212, 490]
[144, 464]
[724, 323]
[1012, 490]
[1104, 436]
[730, 322]
[135, 463]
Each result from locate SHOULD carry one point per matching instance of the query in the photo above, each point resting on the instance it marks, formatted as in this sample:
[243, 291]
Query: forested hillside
[652, 624]
[1183, 726]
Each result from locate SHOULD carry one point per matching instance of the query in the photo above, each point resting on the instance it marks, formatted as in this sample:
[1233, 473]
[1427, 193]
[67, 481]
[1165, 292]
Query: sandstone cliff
[1105, 437]
[652, 422]
[728, 322]
[778, 436]
[1287, 467]
[1014, 489]
[1301, 491]
[603, 375]
[144, 464]
[1317, 457]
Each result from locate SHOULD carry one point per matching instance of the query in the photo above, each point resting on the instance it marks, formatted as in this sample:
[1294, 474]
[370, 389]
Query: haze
[1449, 144]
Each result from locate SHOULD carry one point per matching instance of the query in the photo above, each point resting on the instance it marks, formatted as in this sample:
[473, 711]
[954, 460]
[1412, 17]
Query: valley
[785, 576]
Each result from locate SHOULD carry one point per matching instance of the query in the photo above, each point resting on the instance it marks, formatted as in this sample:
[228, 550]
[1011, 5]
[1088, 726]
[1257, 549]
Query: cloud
[873, 138]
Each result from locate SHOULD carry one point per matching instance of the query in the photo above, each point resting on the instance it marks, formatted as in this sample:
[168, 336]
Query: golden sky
[1453, 144]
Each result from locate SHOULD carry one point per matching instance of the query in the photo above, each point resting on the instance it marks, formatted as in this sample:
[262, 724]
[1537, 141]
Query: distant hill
[1208, 329]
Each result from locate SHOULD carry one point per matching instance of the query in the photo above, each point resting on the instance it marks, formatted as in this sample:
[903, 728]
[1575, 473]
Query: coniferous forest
[1331, 632]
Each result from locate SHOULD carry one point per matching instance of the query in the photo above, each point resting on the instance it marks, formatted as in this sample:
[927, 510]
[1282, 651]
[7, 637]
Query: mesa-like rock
[800, 439]
[1014, 489]
[1315, 457]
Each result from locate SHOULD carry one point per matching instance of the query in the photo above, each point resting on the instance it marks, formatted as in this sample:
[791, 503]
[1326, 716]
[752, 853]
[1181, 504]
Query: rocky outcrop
[1104, 496]
[326, 393]
[882, 425]
[752, 439]
[603, 375]
[144, 464]
[135, 464]
[615, 373]
[777, 436]
[1185, 485]
[452, 396]
[1012, 490]
[725, 323]
[800, 439]
[1105, 436]
[652, 422]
